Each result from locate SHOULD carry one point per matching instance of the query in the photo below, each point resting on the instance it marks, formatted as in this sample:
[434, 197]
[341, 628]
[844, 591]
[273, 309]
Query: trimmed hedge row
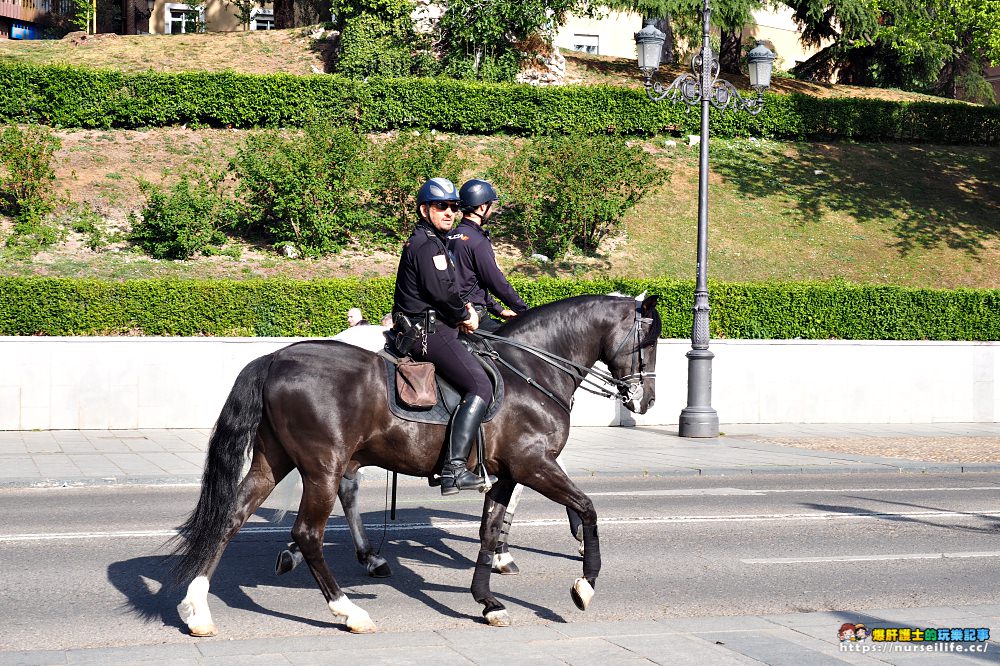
[56, 306]
[68, 96]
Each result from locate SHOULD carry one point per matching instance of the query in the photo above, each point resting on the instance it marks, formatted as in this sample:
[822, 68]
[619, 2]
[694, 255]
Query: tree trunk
[730, 51]
[667, 53]
[284, 14]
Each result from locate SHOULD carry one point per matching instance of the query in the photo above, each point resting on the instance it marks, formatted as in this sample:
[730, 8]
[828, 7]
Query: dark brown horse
[321, 407]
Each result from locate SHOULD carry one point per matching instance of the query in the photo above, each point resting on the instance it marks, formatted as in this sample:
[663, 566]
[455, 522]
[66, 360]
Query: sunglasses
[444, 205]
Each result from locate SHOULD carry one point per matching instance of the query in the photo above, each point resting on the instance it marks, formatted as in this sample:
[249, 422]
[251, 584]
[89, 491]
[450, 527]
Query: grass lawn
[882, 213]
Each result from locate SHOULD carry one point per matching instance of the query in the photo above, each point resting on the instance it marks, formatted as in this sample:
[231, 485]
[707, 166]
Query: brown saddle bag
[415, 384]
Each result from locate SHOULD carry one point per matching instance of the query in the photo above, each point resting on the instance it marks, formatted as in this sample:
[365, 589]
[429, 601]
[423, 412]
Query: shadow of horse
[152, 594]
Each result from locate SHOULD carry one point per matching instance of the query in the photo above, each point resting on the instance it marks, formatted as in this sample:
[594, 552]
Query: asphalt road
[85, 567]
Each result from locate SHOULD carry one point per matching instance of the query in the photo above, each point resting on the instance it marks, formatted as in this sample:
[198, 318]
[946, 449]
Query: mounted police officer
[428, 310]
[479, 277]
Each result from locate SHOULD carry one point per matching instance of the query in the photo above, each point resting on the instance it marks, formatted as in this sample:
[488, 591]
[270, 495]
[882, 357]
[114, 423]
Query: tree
[487, 40]
[682, 18]
[924, 45]
[284, 14]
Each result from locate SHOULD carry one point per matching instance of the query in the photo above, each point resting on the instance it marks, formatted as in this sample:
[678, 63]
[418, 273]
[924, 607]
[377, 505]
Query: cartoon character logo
[846, 632]
[860, 632]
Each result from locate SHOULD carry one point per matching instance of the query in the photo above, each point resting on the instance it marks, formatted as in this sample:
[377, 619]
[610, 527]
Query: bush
[78, 97]
[304, 192]
[186, 220]
[399, 167]
[26, 185]
[377, 39]
[565, 190]
[48, 306]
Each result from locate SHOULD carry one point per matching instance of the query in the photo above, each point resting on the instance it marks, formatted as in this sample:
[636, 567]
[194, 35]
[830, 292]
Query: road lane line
[541, 522]
[682, 492]
[872, 558]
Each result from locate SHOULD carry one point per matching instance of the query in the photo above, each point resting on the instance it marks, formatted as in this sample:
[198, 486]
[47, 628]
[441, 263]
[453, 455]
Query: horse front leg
[494, 510]
[548, 478]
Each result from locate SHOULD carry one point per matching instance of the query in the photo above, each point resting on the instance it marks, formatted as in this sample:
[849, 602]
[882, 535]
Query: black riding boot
[455, 474]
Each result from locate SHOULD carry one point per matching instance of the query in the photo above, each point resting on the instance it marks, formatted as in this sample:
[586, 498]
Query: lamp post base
[697, 423]
[698, 419]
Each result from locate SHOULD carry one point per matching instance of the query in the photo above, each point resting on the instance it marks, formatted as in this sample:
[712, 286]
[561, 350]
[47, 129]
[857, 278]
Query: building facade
[613, 35]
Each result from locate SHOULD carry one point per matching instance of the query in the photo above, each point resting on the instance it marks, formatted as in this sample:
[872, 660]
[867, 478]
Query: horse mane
[532, 318]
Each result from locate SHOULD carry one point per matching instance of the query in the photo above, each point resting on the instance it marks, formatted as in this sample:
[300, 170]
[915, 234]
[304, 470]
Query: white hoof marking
[582, 593]
[498, 618]
[503, 563]
[194, 611]
[357, 620]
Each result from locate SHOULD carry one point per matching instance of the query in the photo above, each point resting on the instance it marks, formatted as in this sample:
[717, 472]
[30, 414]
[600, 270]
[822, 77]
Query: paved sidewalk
[795, 639]
[100, 457]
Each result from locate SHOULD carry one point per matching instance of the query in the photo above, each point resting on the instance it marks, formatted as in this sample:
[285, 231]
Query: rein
[626, 387]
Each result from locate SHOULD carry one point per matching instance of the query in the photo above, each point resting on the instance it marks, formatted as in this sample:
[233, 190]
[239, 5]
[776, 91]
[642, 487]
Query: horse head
[631, 356]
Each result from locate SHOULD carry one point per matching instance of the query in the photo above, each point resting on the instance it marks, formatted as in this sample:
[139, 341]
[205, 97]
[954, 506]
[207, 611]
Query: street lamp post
[698, 418]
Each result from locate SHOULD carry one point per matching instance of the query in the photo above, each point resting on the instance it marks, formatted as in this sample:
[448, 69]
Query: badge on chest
[440, 262]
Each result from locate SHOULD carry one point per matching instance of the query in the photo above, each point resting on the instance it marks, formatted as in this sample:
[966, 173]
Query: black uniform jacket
[425, 278]
[477, 274]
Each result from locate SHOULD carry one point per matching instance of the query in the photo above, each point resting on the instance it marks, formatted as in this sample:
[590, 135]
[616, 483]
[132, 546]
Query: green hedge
[77, 97]
[51, 306]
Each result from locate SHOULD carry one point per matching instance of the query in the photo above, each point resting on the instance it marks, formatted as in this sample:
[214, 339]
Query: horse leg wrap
[591, 553]
[508, 518]
[481, 577]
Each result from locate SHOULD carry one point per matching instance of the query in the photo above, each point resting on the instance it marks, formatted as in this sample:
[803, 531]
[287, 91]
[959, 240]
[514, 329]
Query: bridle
[627, 388]
[633, 391]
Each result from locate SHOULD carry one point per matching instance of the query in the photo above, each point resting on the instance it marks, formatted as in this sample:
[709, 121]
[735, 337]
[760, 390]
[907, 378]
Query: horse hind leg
[503, 561]
[253, 490]
[310, 526]
[374, 564]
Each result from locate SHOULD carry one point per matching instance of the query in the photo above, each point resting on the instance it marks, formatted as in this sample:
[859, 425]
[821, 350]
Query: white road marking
[872, 558]
[542, 522]
[685, 492]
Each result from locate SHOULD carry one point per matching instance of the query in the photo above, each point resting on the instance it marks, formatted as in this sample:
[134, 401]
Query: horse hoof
[203, 631]
[361, 625]
[582, 592]
[287, 561]
[503, 563]
[381, 571]
[498, 618]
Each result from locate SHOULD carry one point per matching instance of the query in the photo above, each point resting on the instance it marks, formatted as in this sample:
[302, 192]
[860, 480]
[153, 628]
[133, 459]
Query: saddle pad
[448, 399]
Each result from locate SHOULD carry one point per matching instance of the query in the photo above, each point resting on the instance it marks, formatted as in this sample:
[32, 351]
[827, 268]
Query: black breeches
[454, 362]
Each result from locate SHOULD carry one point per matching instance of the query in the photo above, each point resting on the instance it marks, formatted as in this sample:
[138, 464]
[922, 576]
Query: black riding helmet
[475, 193]
[437, 189]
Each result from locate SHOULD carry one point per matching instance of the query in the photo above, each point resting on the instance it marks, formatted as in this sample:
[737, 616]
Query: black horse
[321, 407]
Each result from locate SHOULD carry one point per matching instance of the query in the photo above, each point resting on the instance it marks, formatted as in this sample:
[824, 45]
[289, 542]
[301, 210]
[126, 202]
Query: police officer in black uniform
[427, 298]
[479, 277]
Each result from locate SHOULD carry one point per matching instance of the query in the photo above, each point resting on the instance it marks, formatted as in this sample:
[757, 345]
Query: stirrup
[462, 479]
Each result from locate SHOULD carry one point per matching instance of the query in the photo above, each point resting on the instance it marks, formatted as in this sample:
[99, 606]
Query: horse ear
[649, 306]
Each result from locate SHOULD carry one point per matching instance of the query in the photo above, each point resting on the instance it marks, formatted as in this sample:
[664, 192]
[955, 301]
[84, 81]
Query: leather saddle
[448, 396]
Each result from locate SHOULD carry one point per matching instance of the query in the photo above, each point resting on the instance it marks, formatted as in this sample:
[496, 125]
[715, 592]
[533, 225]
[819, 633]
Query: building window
[262, 19]
[182, 19]
[587, 43]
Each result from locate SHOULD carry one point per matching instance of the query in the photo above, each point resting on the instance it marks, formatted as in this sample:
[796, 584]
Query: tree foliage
[487, 40]
[936, 46]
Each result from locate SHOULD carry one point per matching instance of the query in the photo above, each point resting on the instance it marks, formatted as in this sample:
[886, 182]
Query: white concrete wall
[99, 383]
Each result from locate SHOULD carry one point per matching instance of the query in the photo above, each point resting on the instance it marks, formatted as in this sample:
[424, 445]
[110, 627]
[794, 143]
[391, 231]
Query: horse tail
[233, 436]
